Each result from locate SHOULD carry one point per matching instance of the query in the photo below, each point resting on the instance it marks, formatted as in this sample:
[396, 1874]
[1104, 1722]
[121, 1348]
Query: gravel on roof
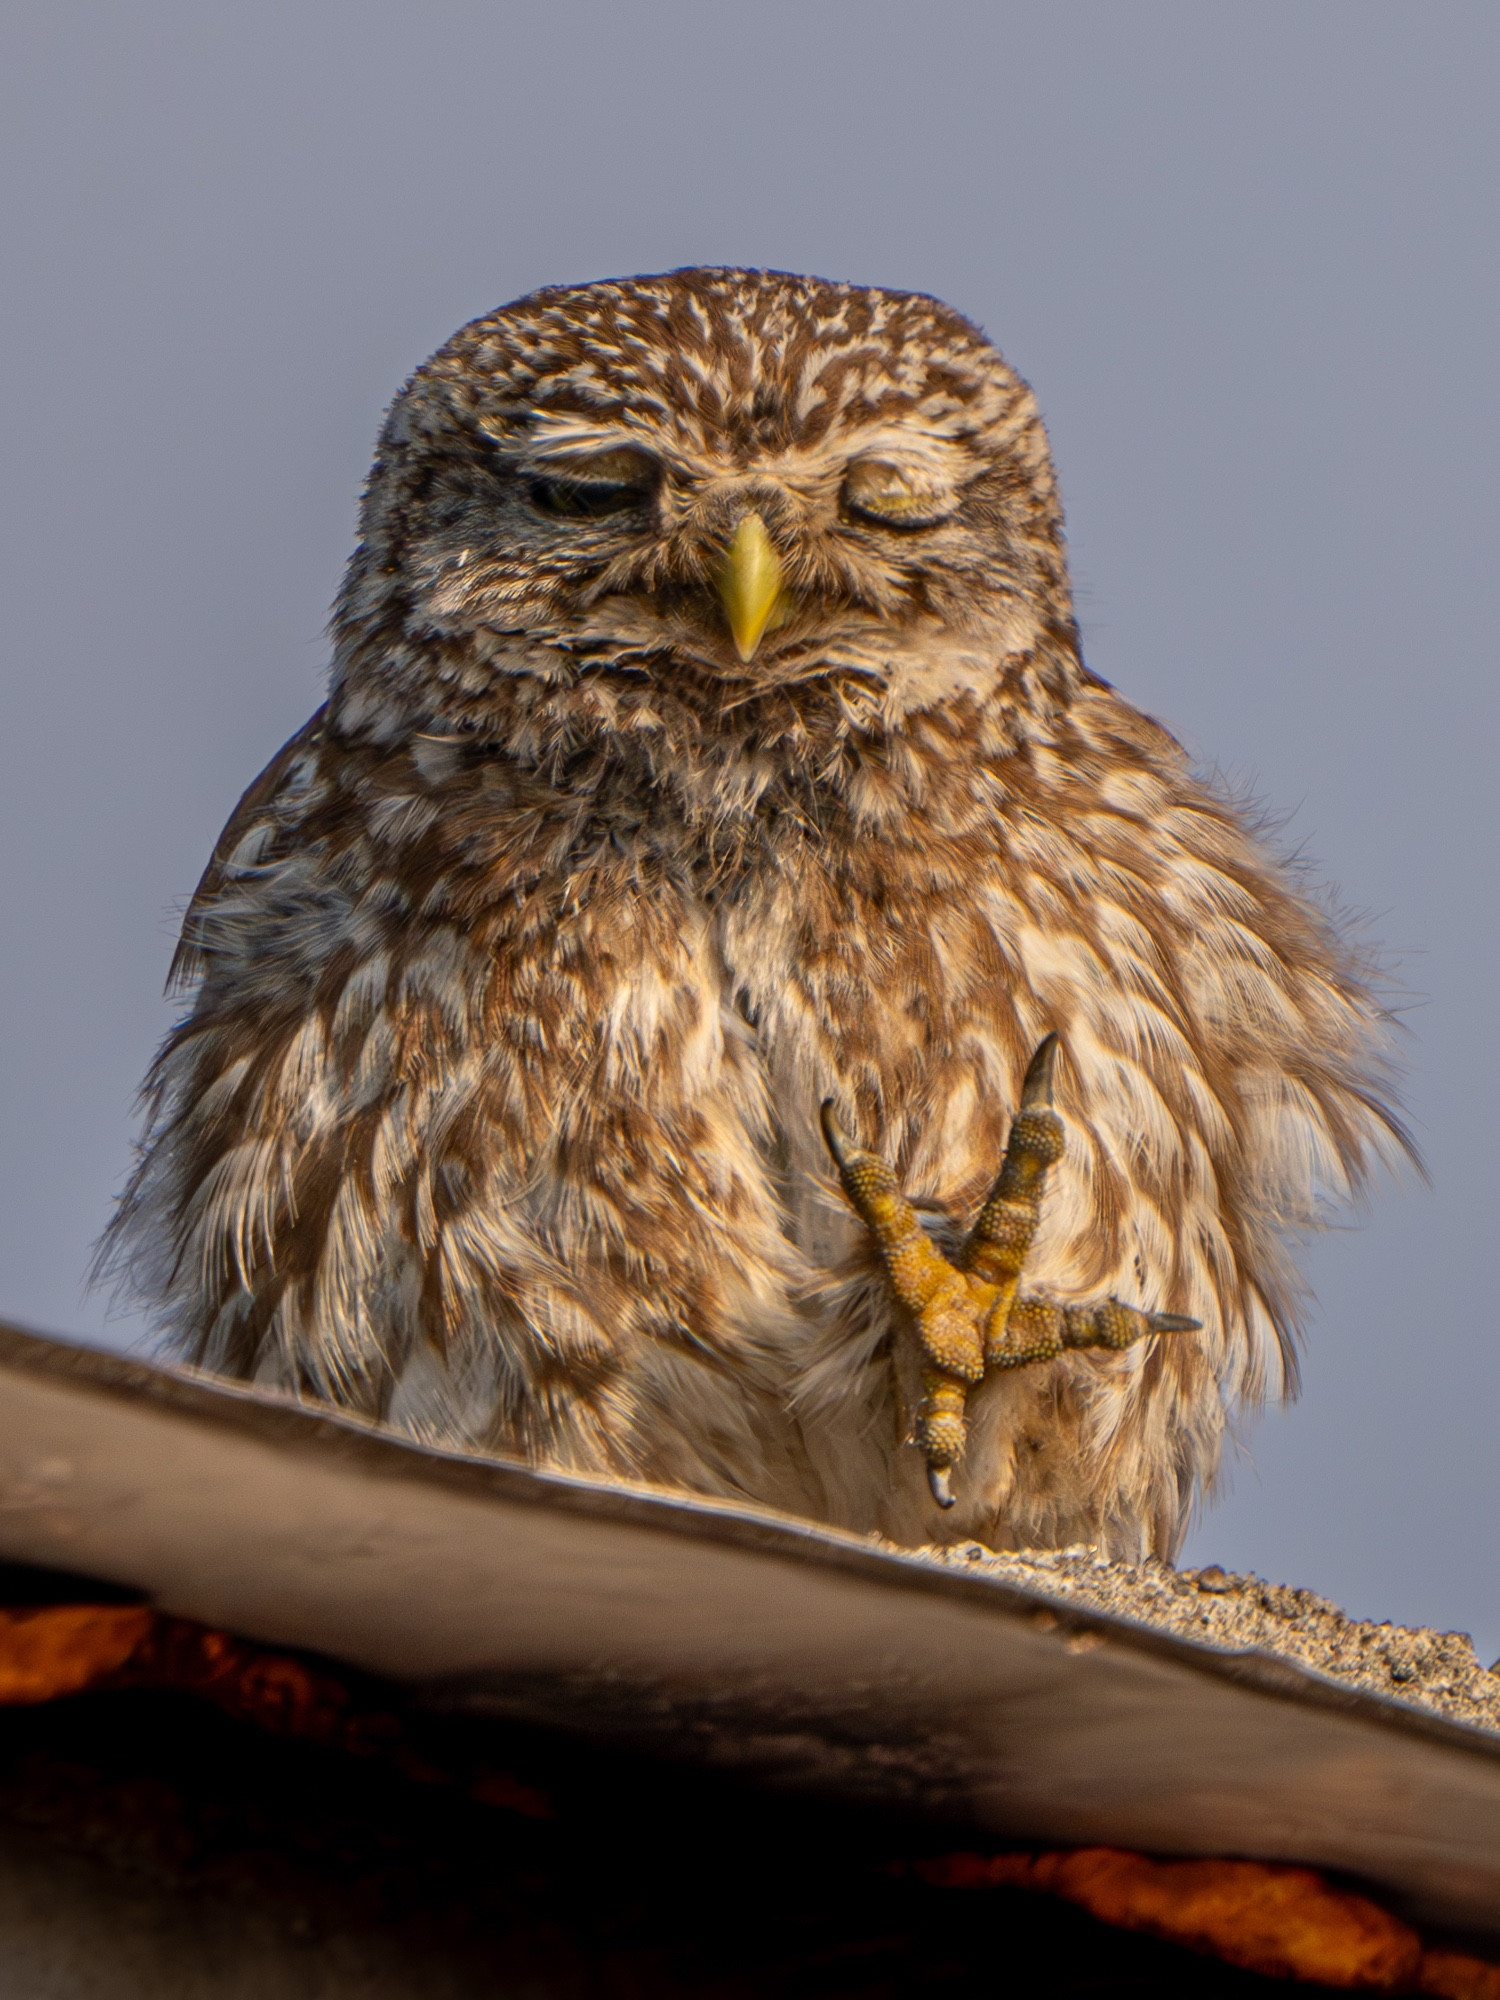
[1438, 1671]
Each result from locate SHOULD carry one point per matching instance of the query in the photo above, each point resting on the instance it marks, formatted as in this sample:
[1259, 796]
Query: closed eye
[575, 498]
[894, 496]
[615, 482]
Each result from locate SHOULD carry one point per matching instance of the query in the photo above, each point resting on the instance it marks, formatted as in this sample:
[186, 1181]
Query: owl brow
[579, 450]
[911, 446]
[564, 445]
[575, 455]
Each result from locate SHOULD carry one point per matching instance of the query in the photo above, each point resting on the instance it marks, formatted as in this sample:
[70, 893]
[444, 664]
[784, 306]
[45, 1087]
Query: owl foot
[968, 1315]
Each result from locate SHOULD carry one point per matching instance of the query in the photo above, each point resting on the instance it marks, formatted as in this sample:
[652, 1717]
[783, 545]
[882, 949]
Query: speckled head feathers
[562, 482]
[734, 365]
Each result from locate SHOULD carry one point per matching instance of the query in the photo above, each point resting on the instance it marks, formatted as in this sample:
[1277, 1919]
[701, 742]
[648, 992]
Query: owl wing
[247, 826]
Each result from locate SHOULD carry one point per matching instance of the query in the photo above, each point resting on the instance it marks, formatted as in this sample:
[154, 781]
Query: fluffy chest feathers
[571, 1007]
[495, 1110]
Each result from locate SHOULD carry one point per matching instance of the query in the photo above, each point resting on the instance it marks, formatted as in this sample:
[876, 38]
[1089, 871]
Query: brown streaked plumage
[708, 737]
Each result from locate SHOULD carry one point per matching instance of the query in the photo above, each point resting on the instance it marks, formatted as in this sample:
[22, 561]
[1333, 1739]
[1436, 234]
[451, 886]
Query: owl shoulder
[247, 832]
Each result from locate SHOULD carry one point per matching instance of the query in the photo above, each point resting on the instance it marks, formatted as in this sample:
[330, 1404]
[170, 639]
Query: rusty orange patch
[60, 1649]
[1282, 1922]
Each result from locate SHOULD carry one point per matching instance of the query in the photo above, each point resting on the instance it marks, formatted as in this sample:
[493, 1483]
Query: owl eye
[876, 490]
[613, 483]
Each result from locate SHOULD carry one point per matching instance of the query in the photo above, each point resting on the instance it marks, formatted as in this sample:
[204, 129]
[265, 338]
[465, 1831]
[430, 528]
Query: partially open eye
[613, 483]
[896, 496]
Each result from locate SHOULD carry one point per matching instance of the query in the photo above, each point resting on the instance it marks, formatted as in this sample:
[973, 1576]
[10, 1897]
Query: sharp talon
[834, 1136]
[1036, 1090]
[939, 1478]
[1171, 1323]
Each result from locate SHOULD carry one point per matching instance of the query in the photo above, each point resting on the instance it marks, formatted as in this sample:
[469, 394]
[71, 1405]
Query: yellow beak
[750, 584]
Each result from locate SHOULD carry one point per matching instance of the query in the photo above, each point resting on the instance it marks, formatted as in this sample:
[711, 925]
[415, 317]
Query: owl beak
[750, 584]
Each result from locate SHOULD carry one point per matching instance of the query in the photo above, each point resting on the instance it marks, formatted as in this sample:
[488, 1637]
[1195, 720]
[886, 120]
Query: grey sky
[1245, 252]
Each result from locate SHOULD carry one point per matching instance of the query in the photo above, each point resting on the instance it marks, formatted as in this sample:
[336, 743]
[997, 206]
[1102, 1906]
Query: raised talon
[1003, 1230]
[940, 1431]
[969, 1315]
[960, 1311]
[1118, 1326]
[921, 1277]
[1034, 1330]
[834, 1136]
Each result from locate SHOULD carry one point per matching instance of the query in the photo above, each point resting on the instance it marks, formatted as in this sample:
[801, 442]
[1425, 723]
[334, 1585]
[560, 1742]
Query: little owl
[608, 1016]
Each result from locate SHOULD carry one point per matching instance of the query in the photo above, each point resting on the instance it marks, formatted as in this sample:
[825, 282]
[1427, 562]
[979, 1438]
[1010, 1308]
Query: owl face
[715, 480]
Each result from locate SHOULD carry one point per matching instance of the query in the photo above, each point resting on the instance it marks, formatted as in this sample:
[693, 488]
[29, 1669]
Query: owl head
[731, 492]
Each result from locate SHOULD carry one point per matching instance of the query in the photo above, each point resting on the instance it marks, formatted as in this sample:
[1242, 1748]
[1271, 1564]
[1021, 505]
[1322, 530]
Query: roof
[733, 1638]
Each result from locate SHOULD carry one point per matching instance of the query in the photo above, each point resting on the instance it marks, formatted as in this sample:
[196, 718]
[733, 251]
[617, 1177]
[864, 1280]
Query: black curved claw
[1036, 1089]
[1171, 1323]
[834, 1136]
[939, 1478]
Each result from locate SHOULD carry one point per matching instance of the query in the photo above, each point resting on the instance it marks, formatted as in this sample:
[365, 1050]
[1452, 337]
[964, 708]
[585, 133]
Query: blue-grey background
[1246, 253]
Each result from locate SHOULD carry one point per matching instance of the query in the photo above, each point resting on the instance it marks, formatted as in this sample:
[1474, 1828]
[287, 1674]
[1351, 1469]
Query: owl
[720, 995]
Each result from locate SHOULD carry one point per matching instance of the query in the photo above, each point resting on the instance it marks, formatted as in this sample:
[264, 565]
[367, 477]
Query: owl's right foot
[968, 1316]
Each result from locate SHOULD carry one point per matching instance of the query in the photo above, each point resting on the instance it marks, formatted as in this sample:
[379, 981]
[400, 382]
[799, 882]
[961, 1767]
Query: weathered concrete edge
[284, 1424]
